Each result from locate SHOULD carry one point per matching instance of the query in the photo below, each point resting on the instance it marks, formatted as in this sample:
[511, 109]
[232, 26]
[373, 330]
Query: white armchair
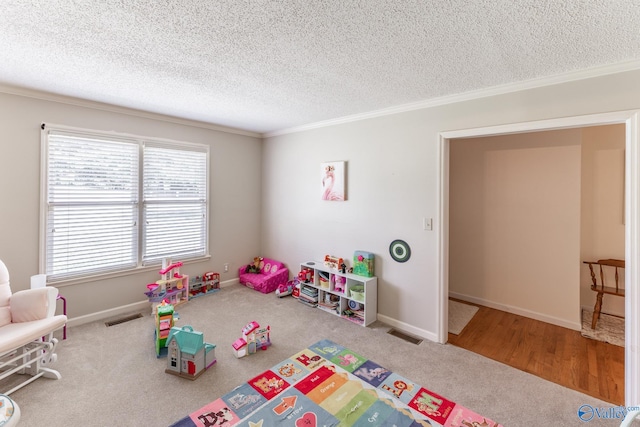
[27, 323]
[629, 418]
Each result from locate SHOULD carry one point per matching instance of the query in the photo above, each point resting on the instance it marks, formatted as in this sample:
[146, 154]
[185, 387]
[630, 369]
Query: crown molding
[429, 103]
[571, 76]
[78, 102]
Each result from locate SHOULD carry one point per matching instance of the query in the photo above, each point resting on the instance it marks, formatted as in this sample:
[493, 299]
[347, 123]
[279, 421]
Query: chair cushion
[15, 335]
[5, 316]
[5, 294]
[30, 304]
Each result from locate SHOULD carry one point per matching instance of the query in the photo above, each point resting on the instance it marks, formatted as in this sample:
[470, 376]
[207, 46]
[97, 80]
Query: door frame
[631, 121]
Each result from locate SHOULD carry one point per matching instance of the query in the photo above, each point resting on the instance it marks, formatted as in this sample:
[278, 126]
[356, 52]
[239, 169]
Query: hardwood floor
[551, 352]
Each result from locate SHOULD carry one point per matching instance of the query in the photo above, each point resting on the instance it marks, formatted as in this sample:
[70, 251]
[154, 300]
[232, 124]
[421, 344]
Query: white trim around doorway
[631, 119]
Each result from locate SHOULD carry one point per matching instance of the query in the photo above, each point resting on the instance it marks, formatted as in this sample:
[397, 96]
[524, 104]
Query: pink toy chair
[272, 274]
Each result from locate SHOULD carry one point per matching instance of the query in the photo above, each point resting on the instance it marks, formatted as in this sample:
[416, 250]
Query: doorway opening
[631, 221]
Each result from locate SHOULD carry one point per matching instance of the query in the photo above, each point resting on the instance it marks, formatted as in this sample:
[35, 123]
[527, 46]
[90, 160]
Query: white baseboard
[143, 306]
[405, 327]
[519, 311]
[229, 282]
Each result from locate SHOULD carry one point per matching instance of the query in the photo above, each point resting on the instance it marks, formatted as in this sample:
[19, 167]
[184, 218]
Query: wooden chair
[605, 267]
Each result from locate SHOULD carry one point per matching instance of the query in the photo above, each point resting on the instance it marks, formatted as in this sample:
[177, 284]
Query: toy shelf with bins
[350, 296]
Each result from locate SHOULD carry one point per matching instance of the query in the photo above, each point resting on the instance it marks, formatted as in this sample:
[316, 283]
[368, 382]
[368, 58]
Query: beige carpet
[111, 376]
[608, 329]
[459, 316]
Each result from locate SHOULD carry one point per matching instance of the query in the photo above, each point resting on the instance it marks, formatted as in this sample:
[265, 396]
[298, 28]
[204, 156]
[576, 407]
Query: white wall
[234, 191]
[393, 165]
[602, 226]
[514, 223]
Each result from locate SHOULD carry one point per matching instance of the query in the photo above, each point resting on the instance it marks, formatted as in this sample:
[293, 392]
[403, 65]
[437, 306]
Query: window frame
[140, 263]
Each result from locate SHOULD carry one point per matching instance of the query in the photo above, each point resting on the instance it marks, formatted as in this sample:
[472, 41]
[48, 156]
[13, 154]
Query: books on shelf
[329, 302]
[309, 303]
[308, 296]
[356, 316]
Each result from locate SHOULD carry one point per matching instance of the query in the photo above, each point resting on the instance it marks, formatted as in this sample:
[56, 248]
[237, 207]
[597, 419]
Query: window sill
[122, 273]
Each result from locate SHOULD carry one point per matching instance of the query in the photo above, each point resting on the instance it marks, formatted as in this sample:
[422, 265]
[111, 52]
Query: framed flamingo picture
[333, 181]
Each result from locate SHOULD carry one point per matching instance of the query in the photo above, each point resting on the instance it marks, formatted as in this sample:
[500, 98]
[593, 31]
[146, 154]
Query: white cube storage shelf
[347, 295]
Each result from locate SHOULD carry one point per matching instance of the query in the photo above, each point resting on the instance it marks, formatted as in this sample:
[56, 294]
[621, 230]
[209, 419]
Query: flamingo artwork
[333, 181]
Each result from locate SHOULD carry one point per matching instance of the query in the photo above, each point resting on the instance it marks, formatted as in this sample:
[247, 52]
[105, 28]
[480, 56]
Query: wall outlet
[226, 267]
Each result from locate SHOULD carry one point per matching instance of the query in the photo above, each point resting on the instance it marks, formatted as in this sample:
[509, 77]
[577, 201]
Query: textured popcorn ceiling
[264, 66]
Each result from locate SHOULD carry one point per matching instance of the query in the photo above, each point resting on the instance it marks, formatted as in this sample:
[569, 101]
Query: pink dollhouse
[172, 287]
[253, 338]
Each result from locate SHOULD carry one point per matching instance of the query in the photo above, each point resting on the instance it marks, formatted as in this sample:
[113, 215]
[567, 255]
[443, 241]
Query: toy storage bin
[357, 293]
[338, 283]
[323, 280]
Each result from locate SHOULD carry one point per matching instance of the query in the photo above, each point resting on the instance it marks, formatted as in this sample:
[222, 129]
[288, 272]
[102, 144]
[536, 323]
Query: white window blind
[175, 203]
[113, 203]
[92, 211]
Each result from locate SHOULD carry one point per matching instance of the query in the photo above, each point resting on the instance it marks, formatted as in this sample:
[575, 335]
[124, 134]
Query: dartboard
[400, 250]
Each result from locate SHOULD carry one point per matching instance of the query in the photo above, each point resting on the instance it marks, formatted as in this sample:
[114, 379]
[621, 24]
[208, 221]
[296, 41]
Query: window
[116, 202]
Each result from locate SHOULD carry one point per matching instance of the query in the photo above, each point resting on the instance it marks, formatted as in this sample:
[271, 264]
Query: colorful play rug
[329, 385]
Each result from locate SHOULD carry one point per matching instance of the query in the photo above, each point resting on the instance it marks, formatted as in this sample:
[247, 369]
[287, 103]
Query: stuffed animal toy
[255, 267]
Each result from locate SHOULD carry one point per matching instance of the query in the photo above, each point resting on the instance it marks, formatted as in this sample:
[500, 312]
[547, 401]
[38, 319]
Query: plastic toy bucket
[357, 293]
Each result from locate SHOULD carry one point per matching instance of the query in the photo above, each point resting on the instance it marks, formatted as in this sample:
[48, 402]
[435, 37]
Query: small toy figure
[343, 268]
[255, 267]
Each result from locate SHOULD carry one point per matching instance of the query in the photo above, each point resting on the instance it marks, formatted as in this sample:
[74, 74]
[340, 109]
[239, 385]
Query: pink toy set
[176, 288]
[265, 277]
[253, 338]
[287, 288]
[173, 287]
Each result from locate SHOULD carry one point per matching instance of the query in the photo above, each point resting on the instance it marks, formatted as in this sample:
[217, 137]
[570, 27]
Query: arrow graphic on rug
[287, 402]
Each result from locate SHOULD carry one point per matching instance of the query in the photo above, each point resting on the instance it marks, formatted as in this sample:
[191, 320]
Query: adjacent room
[559, 196]
[210, 206]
